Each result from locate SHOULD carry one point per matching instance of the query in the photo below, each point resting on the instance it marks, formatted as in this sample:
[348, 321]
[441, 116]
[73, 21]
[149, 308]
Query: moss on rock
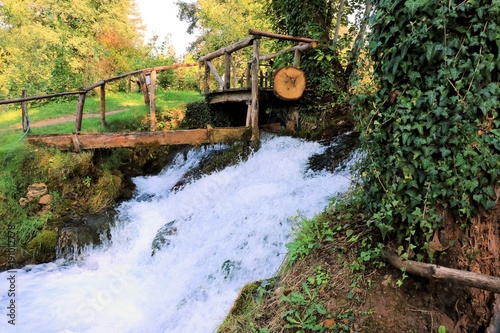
[42, 246]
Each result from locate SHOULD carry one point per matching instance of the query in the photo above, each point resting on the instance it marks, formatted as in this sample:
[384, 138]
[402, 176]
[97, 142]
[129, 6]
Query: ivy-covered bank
[427, 190]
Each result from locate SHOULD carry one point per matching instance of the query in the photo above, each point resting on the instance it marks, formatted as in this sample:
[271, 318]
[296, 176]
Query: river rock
[35, 191]
[23, 202]
[75, 235]
[161, 239]
[46, 199]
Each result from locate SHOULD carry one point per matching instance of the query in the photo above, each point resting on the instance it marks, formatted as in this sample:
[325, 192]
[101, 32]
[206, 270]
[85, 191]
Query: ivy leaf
[414, 5]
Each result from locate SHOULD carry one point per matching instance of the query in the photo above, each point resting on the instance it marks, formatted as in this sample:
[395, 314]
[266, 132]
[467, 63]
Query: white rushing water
[232, 227]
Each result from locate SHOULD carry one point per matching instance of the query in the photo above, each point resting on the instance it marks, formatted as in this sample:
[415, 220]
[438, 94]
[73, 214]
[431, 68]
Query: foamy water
[231, 229]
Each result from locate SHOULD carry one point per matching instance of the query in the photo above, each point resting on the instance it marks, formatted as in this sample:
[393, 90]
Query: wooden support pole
[296, 58]
[152, 101]
[216, 74]
[103, 104]
[248, 74]
[227, 71]
[79, 112]
[24, 110]
[255, 140]
[206, 87]
[129, 84]
[235, 76]
[144, 88]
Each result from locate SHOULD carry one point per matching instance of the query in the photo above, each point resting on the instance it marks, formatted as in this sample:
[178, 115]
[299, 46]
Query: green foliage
[306, 306]
[309, 235]
[199, 114]
[432, 135]
[221, 23]
[314, 18]
[53, 46]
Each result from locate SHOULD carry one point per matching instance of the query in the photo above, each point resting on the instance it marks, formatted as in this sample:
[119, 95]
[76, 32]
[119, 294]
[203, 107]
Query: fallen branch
[440, 273]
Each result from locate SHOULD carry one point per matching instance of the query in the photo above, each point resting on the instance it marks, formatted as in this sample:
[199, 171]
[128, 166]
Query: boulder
[35, 191]
[161, 239]
[46, 199]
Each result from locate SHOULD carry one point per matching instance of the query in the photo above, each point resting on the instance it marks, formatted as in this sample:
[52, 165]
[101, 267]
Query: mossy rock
[43, 246]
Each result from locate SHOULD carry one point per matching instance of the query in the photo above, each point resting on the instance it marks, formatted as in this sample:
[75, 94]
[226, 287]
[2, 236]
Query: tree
[330, 66]
[221, 22]
[50, 46]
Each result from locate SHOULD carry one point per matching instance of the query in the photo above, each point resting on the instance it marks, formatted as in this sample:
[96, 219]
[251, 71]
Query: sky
[160, 18]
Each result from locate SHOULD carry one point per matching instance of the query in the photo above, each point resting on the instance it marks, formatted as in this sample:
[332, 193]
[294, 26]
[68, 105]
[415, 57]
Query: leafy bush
[432, 138]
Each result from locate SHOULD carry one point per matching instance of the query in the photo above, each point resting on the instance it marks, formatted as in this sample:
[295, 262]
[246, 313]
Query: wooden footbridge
[288, 83]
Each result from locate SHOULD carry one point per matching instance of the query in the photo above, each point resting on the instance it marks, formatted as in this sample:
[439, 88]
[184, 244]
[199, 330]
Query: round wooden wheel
[289, 83]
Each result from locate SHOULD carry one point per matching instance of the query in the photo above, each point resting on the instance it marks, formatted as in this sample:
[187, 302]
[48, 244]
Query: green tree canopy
[50, 45]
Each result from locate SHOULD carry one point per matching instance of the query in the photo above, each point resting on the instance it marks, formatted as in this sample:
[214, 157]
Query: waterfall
[224, 230]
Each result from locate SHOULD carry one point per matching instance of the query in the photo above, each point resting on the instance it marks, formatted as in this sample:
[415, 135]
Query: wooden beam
[152, 101]
[261, 33]
[103, 105]
[194, 137]
[227, 71]
[144, 88]
[230, 96]
[440, 273]
[34, 98]
[296, 58]
[95, 85]
[301, 48]
[228, 49]
[79, 112]
[255, 94]
[206, 87]
[24, 111]
[174, 66]
[217, 76]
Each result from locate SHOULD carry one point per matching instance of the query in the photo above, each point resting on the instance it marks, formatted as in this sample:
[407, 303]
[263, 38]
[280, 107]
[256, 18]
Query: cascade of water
[230, 229]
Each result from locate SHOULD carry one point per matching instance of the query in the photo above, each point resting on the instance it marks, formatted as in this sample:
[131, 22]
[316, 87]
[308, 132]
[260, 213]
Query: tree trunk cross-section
[289, 83]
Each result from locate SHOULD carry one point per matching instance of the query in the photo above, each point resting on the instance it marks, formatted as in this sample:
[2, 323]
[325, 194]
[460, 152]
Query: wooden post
[249, 114]
[206, 88]
[296, 58]
[129, 84]
[144, 88]
[103, 104]
[235, 77]
[24, 108]
[248, 73]
[152, 101]
[255, 140]
[227, 71]
[79, 112]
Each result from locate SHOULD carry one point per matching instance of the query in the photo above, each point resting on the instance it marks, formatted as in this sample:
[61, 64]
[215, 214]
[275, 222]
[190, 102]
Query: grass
[132, 118]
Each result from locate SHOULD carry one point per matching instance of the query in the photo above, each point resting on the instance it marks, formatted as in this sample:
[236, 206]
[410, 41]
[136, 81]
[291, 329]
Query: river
[229, 228]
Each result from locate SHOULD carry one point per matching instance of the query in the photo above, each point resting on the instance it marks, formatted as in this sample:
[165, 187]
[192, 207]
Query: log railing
[147, 74]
